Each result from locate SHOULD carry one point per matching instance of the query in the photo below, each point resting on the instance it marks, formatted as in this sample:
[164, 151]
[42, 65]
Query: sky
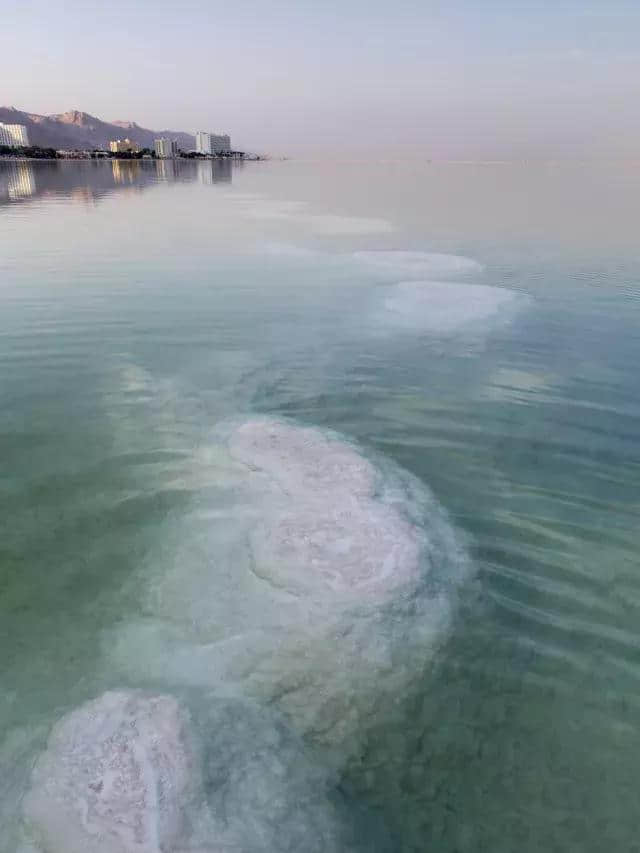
[458, 79]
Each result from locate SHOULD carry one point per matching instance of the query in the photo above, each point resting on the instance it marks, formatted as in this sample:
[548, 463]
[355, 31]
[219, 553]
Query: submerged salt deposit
[264, 790]
[309, 577]
[135, 773]
[406, 264]
[113, 779]
[288, 609]
[418, 301]
[446, 307]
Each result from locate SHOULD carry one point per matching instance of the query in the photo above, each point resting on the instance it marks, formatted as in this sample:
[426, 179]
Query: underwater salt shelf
[444, 308]
[131, 772]
[307, 588]
[310, 577]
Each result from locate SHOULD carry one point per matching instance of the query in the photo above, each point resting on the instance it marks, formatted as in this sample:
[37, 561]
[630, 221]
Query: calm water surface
[142, 304]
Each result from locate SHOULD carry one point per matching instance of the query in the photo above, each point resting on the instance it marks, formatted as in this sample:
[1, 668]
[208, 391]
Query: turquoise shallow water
[142, 305]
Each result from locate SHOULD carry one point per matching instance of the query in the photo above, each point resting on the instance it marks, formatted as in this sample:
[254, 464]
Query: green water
[142, 305]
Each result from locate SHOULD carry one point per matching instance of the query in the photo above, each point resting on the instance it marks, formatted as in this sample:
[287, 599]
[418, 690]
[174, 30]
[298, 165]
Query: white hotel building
[165, 148]
[212, 143]
[13, 135]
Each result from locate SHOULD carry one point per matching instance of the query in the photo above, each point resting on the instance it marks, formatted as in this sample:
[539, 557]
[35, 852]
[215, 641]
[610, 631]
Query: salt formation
[446, 307]
[131, 773]
[418, 264]
[307, 577]
[332, 533]
[112, 779]
[306, 590]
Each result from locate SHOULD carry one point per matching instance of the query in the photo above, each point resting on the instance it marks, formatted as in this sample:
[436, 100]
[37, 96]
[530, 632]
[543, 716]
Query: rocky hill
[75, 129]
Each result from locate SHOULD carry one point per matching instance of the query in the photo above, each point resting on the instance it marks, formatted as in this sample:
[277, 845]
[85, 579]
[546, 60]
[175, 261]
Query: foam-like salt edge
[403, 264]
[446, 307]
[317, 580]
[130, 772]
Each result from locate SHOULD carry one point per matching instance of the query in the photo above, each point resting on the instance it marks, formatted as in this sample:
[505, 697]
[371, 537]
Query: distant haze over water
[463, 79]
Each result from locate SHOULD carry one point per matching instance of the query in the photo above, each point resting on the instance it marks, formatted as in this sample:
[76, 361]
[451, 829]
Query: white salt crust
[112, 778]
[333, 532]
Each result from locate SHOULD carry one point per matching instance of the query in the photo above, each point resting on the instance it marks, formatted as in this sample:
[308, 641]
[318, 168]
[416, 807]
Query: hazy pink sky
[464, 78]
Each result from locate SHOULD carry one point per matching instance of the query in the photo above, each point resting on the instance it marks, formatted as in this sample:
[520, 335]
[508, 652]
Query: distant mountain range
[75, 129]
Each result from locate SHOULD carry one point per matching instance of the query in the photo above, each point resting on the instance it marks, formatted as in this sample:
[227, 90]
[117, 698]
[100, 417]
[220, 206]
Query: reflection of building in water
[89, 181]
[17, 180]
[214, 171]
[166, 147]
[81, 180]
[120, 146]
[13, 135]
[84, 195]
[166, 170]
[125, 171]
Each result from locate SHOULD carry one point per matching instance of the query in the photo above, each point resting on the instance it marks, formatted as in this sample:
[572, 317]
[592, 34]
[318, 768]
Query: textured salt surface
[112, 778]
[315, 580]
[121, 774]
[332, 531]
[418, 264]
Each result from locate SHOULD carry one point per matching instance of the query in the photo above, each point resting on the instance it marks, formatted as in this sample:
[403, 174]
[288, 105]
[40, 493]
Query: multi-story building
[165, 148]
[221, 143]
[122, 146]
[203, 142]
[13, 135]
[212, 143]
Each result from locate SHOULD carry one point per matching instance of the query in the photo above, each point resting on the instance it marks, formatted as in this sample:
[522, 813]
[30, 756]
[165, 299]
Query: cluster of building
[13, 135]
[207, 144]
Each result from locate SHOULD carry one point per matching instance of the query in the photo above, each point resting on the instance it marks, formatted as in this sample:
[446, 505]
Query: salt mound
[419, 264]
[112, 778]
[333, 530]
[445, 307]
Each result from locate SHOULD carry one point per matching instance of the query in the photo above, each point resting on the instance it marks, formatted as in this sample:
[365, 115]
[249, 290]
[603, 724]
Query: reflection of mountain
[86, 180]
